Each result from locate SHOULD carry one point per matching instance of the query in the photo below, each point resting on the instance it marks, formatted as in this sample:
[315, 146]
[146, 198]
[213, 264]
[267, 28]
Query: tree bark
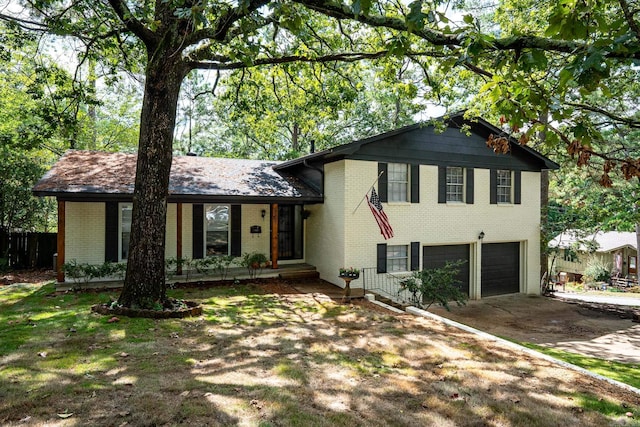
[144, 284]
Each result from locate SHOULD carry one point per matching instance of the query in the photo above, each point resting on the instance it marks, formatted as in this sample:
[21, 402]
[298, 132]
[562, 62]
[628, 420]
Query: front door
[290, 232]
[633, 265]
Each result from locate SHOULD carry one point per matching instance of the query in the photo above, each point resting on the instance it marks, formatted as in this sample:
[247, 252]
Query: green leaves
[415, 17]
[361, 7]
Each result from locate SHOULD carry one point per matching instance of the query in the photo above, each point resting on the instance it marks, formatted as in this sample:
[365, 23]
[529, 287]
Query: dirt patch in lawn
[27, 276]
[552, 323]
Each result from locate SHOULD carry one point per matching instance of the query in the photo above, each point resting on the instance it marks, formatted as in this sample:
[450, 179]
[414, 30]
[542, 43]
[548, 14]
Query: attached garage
[437, 256]
[500, 268]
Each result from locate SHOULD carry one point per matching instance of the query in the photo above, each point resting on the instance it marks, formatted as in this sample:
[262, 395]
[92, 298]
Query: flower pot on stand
[348, 277]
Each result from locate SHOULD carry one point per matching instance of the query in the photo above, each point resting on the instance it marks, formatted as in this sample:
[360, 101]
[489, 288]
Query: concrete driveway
[602, 299]
[551, 322]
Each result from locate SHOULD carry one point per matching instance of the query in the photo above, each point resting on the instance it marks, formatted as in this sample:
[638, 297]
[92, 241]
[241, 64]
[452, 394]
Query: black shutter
[382, 182]
[442, 184]
[111, 232]
[382, 258]
[493, 185]
[198, 231]
[469, 195]
[236, 230]
[415, 183]
[415, 256]
[517, 187]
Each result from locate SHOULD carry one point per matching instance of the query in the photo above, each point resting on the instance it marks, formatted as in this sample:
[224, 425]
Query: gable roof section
[422, 144]
[100, 175]
[605, 241]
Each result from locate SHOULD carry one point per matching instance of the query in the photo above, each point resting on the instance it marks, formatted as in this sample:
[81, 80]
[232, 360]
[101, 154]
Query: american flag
[379, 215]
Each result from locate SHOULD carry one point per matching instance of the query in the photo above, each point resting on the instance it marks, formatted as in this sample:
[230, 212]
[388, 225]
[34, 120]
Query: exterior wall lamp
[263, 212]
[481, 235]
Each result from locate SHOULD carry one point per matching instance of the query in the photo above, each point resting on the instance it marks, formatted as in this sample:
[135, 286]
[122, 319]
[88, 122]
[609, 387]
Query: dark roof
[480, 127]
[82, 174]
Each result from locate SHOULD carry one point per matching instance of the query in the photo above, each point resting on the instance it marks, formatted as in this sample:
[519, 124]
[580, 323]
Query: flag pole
[367, 193]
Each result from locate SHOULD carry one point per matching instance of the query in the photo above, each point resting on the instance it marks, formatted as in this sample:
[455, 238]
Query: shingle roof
[606, 241]
[99, 173]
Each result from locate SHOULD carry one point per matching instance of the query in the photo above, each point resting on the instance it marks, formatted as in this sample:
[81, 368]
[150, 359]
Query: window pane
[125, 229]
[455, 184]
[397, 259]
[398, 182]
[217, 230]
[504, 186]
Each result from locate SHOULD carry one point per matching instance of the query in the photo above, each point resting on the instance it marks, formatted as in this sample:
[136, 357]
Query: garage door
[500, 268]
[437, 256]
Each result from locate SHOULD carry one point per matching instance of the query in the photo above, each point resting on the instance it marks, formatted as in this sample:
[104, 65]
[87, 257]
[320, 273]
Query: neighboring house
[614, 248]
[447, 197]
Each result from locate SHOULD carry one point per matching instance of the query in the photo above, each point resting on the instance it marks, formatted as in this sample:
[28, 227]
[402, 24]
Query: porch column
[179, 236]
[60, 242]
[274, 236]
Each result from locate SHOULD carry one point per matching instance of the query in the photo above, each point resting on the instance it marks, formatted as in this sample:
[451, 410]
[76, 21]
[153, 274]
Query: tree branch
[629, 17]
[619, 119]
[223, 24]
[438, 38]
[224, 63]
[121, 9]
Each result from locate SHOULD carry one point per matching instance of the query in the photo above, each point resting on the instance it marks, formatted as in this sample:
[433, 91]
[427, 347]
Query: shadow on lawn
[256, 359]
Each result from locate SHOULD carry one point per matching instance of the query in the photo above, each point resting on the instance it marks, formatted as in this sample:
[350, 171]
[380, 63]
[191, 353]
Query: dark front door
[500, 268]
[437, 257]
[290, 232]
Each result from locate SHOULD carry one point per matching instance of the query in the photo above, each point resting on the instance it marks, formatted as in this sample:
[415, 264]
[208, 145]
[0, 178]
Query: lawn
[257, 358]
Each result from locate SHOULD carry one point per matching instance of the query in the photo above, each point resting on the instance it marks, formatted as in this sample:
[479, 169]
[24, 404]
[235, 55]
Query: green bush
[435, 285]
[254, 262]
[597, 270]
[172, 265]
[83, 273]
[218, 264]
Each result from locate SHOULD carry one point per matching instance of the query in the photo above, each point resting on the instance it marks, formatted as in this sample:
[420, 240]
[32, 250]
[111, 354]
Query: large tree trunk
[144, 283]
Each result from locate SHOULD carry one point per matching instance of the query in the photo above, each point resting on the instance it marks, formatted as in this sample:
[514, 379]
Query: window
[503, 182]
[570, 255]
[398, 182]
[125, 210]
[216, 228]
[397, 258]
[455, 184]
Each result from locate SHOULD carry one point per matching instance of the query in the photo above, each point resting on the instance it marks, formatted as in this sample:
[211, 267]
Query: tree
[585, 47]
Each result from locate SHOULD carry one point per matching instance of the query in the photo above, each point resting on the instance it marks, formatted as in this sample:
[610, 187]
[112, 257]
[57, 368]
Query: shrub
[435, 285]
[254, 262]
[172, 265]
[597, 270]
[83, 273]
[219, 264]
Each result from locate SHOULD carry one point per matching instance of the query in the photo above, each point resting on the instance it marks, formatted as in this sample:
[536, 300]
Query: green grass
[628, 373]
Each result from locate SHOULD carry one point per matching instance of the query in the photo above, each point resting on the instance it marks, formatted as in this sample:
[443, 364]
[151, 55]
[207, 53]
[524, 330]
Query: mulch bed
[191, 309]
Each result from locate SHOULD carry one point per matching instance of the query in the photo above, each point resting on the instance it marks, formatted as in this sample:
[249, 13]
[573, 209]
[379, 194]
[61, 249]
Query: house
[447, 197]
[618, 249]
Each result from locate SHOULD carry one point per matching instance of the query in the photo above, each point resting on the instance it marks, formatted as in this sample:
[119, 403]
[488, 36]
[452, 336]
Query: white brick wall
[326, 244]
[84, 232]
[252, 215]
[352, 237]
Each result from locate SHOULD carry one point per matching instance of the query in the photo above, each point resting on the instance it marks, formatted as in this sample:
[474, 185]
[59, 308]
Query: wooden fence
[28, 250]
